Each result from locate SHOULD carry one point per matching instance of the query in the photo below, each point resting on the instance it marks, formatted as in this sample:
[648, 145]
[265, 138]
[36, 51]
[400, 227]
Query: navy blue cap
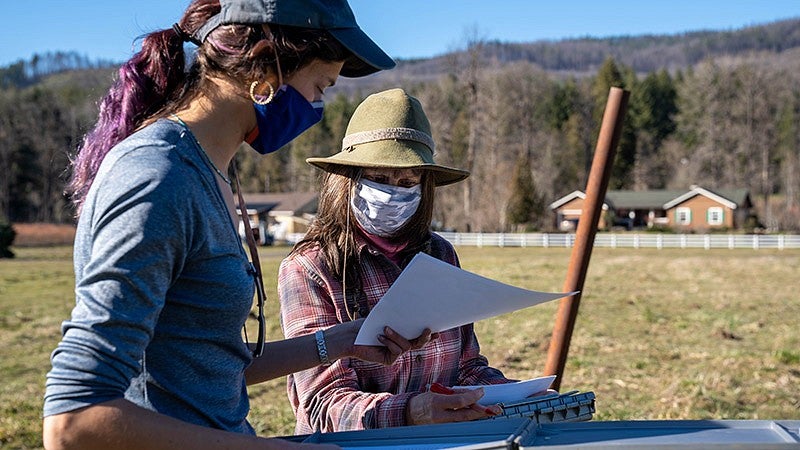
[334, 16]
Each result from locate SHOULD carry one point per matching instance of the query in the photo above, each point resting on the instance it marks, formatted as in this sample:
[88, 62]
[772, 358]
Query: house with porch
[694, 210]
[281, 213]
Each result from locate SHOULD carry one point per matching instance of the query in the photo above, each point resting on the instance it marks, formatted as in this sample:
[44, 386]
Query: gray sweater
[162, 288]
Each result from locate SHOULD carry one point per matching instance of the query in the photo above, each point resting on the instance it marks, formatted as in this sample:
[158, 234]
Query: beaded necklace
[205, 155]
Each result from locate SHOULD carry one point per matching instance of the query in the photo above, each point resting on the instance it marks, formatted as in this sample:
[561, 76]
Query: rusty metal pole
[607, 141]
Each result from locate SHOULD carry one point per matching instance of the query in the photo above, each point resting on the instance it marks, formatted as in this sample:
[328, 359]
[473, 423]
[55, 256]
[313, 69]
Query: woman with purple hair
[153, 354]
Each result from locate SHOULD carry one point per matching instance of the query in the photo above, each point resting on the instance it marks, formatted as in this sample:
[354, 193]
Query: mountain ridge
[582, 56]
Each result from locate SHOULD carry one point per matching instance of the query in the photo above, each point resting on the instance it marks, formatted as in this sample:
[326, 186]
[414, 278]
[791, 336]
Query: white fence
[626, 240]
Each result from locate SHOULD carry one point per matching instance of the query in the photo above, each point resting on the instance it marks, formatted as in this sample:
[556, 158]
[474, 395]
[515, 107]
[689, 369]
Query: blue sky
[404, 28]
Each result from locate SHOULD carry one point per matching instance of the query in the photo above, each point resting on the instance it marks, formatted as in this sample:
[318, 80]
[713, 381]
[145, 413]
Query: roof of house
[282, 202]
[662, 199]
[732, 198]
[640, 199]
[567, 198]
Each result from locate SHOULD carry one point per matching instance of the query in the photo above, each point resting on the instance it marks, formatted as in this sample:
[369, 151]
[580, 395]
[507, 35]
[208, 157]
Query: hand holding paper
[436, 295]
[511, 392]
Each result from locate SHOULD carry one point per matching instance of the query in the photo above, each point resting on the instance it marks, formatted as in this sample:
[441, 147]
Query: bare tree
[464, 68]
[446, 109]
[788, 150]
[706, 127]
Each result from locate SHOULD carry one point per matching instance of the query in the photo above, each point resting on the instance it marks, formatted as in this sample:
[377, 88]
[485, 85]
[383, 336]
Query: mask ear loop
[253, 85]
[277, 64]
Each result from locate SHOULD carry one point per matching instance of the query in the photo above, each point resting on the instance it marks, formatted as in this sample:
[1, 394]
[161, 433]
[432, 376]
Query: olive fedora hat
[389, 130]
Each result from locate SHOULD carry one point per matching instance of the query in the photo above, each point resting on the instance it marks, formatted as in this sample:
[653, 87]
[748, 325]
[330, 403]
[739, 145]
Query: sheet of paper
[433, 294]
[511, 392]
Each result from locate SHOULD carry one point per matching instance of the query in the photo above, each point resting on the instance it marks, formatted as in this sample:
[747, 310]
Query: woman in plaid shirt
[375, 209]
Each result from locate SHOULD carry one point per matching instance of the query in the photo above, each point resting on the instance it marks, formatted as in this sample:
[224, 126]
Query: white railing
[625, 240]
[628, 240]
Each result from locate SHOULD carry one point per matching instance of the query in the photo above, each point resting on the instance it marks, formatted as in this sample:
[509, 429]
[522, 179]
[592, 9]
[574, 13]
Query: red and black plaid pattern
[352, 394]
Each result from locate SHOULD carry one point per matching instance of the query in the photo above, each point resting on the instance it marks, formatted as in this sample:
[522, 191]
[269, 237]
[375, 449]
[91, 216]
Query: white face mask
[382, 209]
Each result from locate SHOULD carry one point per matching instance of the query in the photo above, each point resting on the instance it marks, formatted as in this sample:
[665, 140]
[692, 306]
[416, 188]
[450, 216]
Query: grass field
[684, 334]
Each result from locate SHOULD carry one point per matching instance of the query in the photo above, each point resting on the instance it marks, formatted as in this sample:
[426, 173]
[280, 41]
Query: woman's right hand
[430, 407]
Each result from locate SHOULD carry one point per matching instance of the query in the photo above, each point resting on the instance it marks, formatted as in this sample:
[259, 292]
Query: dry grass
[685, 334]
[43, 234]
[672, 334]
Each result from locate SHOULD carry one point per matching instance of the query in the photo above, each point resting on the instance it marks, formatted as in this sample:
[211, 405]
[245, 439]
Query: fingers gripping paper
[436, 295]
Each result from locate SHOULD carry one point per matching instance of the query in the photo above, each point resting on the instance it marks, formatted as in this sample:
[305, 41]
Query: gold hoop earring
[262, 100]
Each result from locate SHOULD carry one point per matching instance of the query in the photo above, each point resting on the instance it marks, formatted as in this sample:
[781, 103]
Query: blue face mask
[287, 116]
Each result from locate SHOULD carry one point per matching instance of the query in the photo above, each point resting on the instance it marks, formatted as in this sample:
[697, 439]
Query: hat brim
[369, 58]
[389, 155]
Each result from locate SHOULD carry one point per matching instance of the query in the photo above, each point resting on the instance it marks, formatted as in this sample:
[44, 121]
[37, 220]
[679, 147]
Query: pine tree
[7, 235]
[525, 207]
[611, 75]
[652, 112]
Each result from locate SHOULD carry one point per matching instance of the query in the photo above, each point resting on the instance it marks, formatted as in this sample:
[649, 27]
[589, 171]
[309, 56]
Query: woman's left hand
[395, 344]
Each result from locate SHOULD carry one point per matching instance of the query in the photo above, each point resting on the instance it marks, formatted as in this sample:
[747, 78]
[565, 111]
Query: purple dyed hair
[154, 81]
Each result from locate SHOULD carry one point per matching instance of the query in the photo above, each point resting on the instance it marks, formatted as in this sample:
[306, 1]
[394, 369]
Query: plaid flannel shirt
[352, 394]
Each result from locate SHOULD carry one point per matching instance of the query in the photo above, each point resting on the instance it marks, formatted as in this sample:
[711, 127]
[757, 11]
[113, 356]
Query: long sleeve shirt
[352, 394]
[162, 286]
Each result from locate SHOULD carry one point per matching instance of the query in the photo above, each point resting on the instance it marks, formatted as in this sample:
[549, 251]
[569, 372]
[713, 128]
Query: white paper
[433, 294]
[511, 392]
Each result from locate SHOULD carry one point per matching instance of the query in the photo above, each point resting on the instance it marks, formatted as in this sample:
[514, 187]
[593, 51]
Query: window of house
[714, 215]
[683, 216]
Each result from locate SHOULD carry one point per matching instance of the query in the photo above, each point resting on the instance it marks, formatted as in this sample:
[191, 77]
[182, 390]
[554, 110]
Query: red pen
[441, 389]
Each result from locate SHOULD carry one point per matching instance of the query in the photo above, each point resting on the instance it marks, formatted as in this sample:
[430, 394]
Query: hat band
[382, 134]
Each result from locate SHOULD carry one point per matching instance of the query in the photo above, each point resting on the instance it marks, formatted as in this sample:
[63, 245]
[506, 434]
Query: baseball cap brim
[368, 57]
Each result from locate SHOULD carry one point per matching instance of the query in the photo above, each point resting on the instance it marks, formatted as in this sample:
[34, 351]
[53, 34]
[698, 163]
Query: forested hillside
[717, 109]
[584, 56]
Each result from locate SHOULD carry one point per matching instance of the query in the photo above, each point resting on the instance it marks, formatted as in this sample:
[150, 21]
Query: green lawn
[684, 334]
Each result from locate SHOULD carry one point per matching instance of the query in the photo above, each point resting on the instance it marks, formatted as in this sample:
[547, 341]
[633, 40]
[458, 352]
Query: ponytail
[154, 82]
[145, 84]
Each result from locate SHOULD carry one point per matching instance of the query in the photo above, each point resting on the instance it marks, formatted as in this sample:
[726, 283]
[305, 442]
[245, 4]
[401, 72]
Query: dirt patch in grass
[43, 234]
